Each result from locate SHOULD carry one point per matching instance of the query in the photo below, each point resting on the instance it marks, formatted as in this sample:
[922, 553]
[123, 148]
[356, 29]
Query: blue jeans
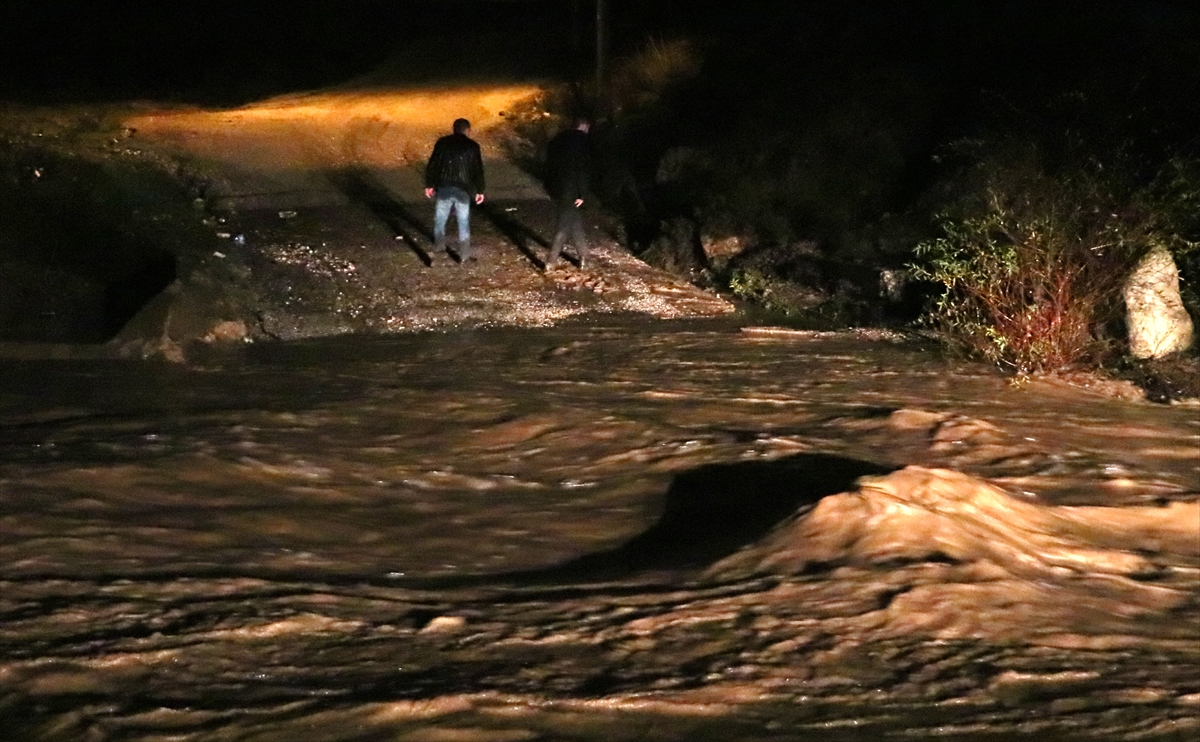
[446, 197]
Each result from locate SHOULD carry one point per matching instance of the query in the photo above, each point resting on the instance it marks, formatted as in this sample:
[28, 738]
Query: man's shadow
[516, 232]
[361, 186]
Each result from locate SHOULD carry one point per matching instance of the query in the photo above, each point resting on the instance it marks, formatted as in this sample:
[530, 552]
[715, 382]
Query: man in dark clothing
[567, 165]
[454, 175]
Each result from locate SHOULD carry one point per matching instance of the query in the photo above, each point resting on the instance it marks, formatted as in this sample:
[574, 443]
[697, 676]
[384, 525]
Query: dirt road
[320, 199]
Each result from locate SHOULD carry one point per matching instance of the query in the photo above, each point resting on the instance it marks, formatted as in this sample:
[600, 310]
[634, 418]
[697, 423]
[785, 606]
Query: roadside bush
[811, 289]
[1032, 260]
[773, 293]
[818, 158]
[637, 86]
[1178, 189]
[533, 122]
[677, 250]
[644, 77]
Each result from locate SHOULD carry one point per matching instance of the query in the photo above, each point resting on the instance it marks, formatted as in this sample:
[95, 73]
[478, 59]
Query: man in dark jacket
[567, 167]
[454, 175]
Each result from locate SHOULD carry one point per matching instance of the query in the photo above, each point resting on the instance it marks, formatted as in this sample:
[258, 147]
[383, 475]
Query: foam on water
[607, 532]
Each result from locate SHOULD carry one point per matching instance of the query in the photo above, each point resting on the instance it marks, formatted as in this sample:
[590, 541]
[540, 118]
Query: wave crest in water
[920, 514]
[954, 556]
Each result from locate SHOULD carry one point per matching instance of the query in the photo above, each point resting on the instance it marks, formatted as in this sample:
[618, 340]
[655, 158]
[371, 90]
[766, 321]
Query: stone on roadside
[1157, 322]
[722, 248]
[226, 331]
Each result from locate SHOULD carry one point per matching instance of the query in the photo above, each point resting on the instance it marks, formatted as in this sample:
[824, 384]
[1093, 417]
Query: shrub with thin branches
[642, 78]
[1031, 262]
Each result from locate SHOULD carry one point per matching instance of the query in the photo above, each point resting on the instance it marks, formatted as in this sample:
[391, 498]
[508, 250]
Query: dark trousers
[570, 227]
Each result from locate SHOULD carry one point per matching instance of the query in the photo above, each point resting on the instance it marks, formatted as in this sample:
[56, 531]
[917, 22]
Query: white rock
[1157, 321]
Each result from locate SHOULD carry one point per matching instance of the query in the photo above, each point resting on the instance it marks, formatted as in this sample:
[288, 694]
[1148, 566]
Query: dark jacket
[456, 161]
[567, 164]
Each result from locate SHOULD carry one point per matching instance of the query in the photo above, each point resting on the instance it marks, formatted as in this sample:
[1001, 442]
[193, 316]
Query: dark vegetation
[1033, 152]
[85, 241]
[1032, 256]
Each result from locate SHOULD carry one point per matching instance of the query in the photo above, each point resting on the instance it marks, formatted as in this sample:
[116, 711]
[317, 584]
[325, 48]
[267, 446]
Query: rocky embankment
[338, 269]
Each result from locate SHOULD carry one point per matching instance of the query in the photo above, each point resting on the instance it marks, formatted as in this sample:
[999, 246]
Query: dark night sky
[82, 49]
[70, 35]
[223, 51]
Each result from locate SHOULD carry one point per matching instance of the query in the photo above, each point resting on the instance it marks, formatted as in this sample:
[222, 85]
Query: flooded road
[600, 531]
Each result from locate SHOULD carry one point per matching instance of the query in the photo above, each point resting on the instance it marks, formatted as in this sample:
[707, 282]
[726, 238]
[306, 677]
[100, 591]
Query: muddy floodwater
[606, 530]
